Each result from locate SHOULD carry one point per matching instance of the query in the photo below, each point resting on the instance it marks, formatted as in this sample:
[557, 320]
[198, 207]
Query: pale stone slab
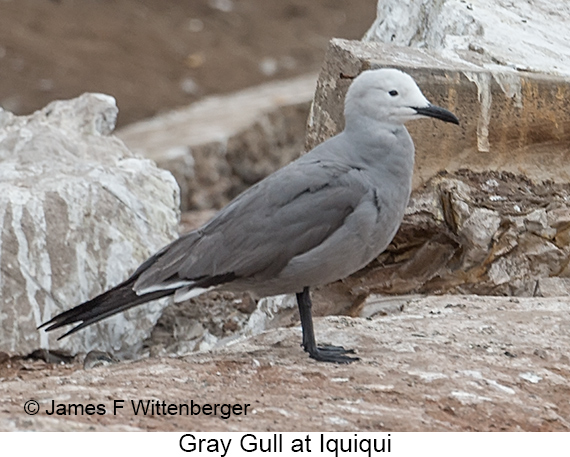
[511, 121]
[219, 146]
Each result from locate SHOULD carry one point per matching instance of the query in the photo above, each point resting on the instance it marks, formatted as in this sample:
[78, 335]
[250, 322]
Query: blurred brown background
[153, 55]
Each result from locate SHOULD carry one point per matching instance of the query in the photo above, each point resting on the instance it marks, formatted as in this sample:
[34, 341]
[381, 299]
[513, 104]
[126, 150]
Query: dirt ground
[153, 55]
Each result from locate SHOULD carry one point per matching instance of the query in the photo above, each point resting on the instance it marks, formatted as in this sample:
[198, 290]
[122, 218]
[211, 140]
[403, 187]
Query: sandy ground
[153, 55]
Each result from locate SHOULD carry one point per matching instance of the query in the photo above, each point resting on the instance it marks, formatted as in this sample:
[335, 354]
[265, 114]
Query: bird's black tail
[119, 298]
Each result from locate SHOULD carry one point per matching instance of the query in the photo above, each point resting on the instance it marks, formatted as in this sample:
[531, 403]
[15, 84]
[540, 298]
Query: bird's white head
[390, 96]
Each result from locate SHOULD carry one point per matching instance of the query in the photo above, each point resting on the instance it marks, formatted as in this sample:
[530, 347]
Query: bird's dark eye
[393, 93]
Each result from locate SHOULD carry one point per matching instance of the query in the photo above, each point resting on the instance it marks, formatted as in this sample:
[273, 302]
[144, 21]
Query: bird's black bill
[438, 113]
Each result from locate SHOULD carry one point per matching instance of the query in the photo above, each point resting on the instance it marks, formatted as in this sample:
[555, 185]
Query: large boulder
[78, 213]
[529, 36]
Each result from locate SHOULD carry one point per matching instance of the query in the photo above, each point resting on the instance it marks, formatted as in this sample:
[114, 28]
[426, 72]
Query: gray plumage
[317, 220]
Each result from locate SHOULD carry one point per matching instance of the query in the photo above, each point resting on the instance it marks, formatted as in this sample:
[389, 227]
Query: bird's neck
[382, 146]
[371, 130]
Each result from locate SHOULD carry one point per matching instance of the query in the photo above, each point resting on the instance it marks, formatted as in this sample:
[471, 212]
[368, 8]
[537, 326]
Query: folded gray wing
[287, 214]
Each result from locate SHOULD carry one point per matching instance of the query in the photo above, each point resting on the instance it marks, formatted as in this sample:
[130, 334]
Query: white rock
[528, 35]
[267, 308]
[530, 377]
[78, 213]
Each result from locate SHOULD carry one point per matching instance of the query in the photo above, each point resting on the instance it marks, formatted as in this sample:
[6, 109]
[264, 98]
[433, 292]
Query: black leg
[333, 354]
